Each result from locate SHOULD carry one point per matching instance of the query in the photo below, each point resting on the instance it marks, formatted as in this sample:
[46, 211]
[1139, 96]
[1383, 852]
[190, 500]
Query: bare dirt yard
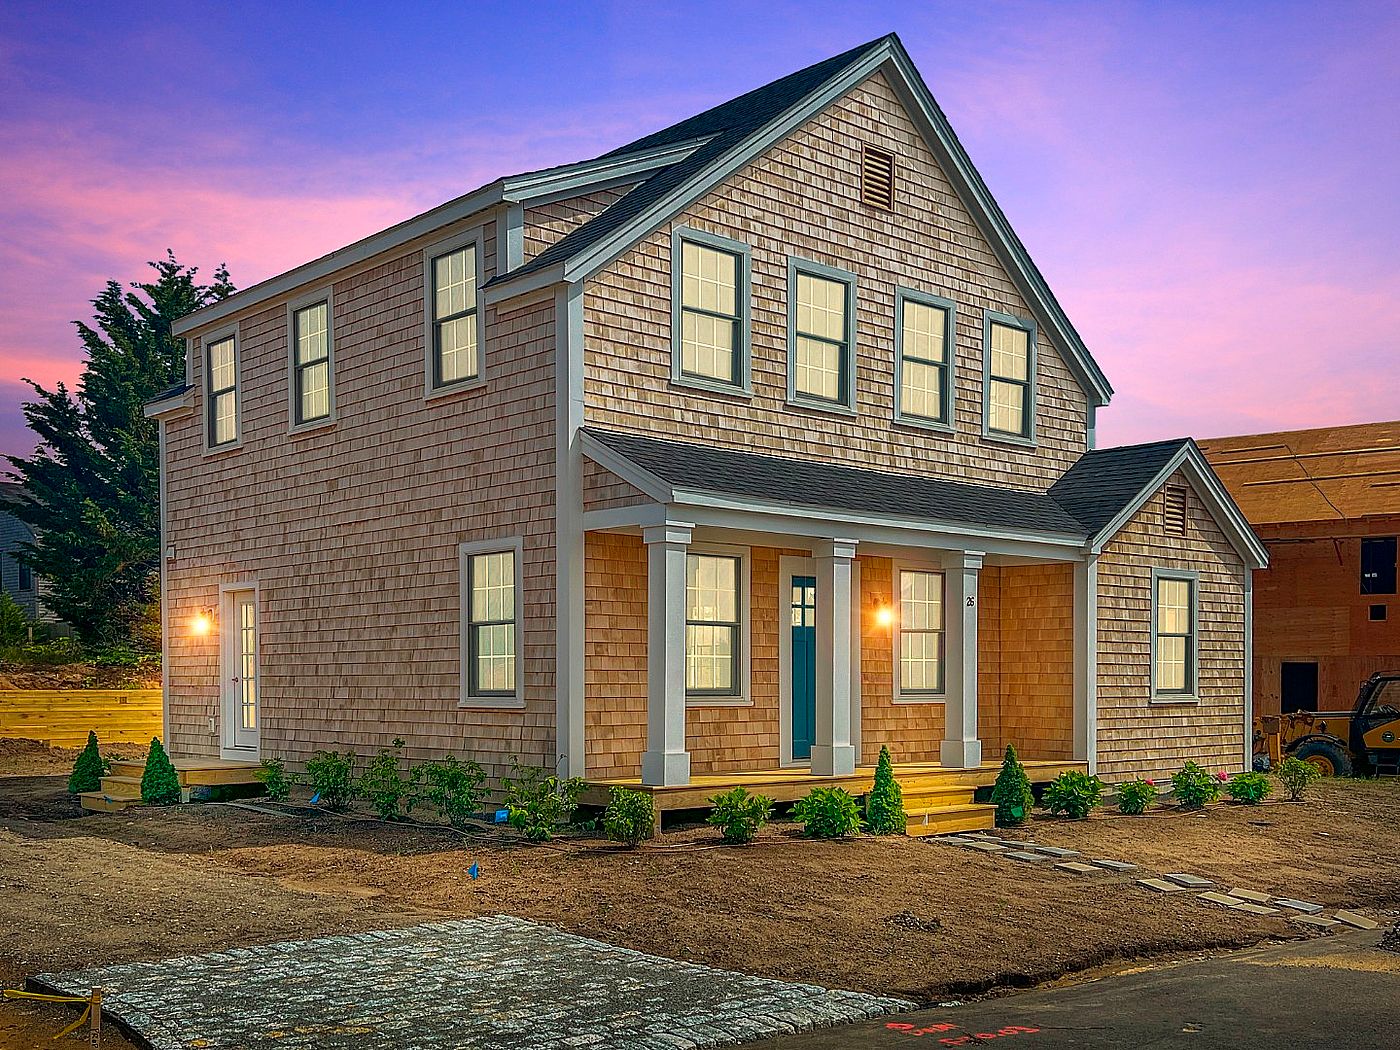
[909, 917]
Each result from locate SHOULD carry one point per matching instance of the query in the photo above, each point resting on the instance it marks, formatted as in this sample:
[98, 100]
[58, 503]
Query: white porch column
[961, 748]
[1086, 661]
[832, 751]
[666, 761]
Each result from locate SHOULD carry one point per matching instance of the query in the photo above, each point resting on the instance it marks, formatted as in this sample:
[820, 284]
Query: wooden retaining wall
[63, 717]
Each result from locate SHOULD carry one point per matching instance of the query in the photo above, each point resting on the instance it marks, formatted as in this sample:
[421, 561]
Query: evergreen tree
[160, 784]
[91, 489]
[1012, 792]
[89, 769]
[884, 806]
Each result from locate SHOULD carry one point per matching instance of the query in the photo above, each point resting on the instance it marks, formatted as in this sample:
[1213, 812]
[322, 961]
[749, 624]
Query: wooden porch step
[100, 802]
[947, 820]
[122, 787]
[935, 794]
[194, 772]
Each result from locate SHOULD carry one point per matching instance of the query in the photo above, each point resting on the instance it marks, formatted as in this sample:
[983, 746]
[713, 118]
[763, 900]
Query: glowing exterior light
[202, 623]
[884, 616]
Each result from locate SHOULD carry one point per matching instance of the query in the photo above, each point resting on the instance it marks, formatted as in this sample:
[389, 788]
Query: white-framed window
[714, 622]
[921, 638]
[924, 355]
[1008, 383]
[709, 311]
[312, 383]
[454, 329]
[1174, 634]
[221, 420]
[491, 582]
[821, 336]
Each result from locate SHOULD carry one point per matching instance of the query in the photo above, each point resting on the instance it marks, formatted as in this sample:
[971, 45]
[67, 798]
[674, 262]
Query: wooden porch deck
[937, 799]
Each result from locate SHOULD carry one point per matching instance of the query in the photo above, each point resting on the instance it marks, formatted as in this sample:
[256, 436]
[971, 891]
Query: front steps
[934, 806]
[121, 787]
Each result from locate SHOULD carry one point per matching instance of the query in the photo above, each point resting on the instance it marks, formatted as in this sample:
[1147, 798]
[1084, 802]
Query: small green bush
[1073, 794]
[1296, 775]
[331, 776]
[1193, 787]
[275, 779]
[1012, 792]
[451, 787]
[539, 803]
[1249, 788]
[629, 818]
[828, 813]
[884, 806]
[14, 625]
[89, 769]
[382, 784]
[739, 814]
[124, 656]
[1136, 797]
[160, 784]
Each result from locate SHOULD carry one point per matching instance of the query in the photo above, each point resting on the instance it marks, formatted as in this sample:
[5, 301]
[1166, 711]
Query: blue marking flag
[502, 815]
[315, 798]
[474, 871]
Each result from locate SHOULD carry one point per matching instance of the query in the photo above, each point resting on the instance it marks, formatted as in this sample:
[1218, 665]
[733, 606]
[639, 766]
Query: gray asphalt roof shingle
[1102, 482]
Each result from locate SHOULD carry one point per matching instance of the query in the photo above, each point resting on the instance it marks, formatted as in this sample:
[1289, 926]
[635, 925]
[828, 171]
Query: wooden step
[947, 820]
[100, 802]
[936, 795]
[193, 772]
[122, 787]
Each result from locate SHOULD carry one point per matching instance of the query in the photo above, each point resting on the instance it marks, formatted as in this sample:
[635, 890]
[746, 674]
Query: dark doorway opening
[1298, 687]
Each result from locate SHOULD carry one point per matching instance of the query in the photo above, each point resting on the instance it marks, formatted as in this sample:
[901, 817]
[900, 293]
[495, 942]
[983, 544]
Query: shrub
[1136, 796]
[629, 817]
[739, 814]
[1250, 788]
[1296, 776]
[382, 785]
[89, 769]
[1012, 792]
[1194, 787]
[160, 784]
[1073, 794]
[884, 806]
[451, 787]
[538, 803]
[274, 779]
[331, 777]
[14, 625]
[828, 813]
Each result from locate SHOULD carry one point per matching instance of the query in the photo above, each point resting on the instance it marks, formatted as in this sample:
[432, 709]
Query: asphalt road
[1338, 992]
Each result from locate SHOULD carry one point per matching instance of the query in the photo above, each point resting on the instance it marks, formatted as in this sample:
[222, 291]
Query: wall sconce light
[202, 623]
[884, 616]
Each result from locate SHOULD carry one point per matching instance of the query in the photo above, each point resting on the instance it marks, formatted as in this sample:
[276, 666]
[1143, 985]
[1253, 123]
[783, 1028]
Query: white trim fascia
[1084, 738]
[166, 407]
[1223, 508]
[510, 238]
[548, 277]
[638, 477]
[1248, 669]
[570, 553]
[569, 180]
[163, 487]
[466, 700]
[629, 518]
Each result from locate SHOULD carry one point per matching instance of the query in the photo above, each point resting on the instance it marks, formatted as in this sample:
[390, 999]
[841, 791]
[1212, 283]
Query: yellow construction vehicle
[1365, 739]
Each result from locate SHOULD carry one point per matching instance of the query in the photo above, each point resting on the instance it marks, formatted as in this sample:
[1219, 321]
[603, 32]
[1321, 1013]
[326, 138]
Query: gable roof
[1324, 474]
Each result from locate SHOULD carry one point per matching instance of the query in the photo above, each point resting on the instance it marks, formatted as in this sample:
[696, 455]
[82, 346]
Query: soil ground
[78, 676]
[897, 916]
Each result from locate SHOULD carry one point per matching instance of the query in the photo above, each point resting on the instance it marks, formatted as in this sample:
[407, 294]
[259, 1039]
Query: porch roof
[776, 480]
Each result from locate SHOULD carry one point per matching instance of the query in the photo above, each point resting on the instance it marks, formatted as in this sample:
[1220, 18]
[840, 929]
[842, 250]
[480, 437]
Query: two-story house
[755, 444]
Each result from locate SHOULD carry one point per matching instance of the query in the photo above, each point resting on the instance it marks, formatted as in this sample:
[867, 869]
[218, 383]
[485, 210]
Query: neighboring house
[1327, 505]
[757, 442]
[16, 578]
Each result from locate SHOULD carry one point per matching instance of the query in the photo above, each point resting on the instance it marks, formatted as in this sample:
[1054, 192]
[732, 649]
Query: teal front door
[804, 664]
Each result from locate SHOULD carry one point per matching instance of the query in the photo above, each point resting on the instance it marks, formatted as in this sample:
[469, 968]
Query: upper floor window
[311, 363]
[921, 632]
[454, 324]
[221, 389]
[26, 576]
[1008, 377]
[821, 335]
[712, 625]
[1174, 635]
[491, 623]
[924, 358]
[710, 310]
[1378, 565]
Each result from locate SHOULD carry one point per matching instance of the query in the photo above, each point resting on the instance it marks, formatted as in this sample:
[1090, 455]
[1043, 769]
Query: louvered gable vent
[1174, 511]
[877, 178]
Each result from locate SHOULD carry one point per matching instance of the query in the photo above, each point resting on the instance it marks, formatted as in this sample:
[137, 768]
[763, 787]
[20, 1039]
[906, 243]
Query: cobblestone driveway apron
[488, 984]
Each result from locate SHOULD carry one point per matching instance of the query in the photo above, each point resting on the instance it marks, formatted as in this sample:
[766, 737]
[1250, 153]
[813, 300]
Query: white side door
[240, 685]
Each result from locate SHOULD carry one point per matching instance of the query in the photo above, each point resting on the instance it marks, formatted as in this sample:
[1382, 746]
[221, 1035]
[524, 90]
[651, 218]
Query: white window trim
[321, 295]
[743, 664]
[476, 238]
[217, 335]
[897, 694]
[950, 309]
[743, 297]
[795, 398]
[1027, 440]
[1192, 695]
[466, 551]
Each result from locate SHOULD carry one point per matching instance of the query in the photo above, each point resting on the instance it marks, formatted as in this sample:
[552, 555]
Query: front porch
[937, 800]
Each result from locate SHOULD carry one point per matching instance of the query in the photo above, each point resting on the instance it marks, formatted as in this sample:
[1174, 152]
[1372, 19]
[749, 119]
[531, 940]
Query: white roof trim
[1222, 506]
[171, 405]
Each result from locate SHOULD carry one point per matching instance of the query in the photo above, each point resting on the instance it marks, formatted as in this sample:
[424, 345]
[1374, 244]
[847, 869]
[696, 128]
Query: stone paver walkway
[490, 984]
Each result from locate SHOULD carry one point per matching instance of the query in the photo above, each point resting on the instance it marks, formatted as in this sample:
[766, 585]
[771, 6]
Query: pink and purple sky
[1213, 190]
